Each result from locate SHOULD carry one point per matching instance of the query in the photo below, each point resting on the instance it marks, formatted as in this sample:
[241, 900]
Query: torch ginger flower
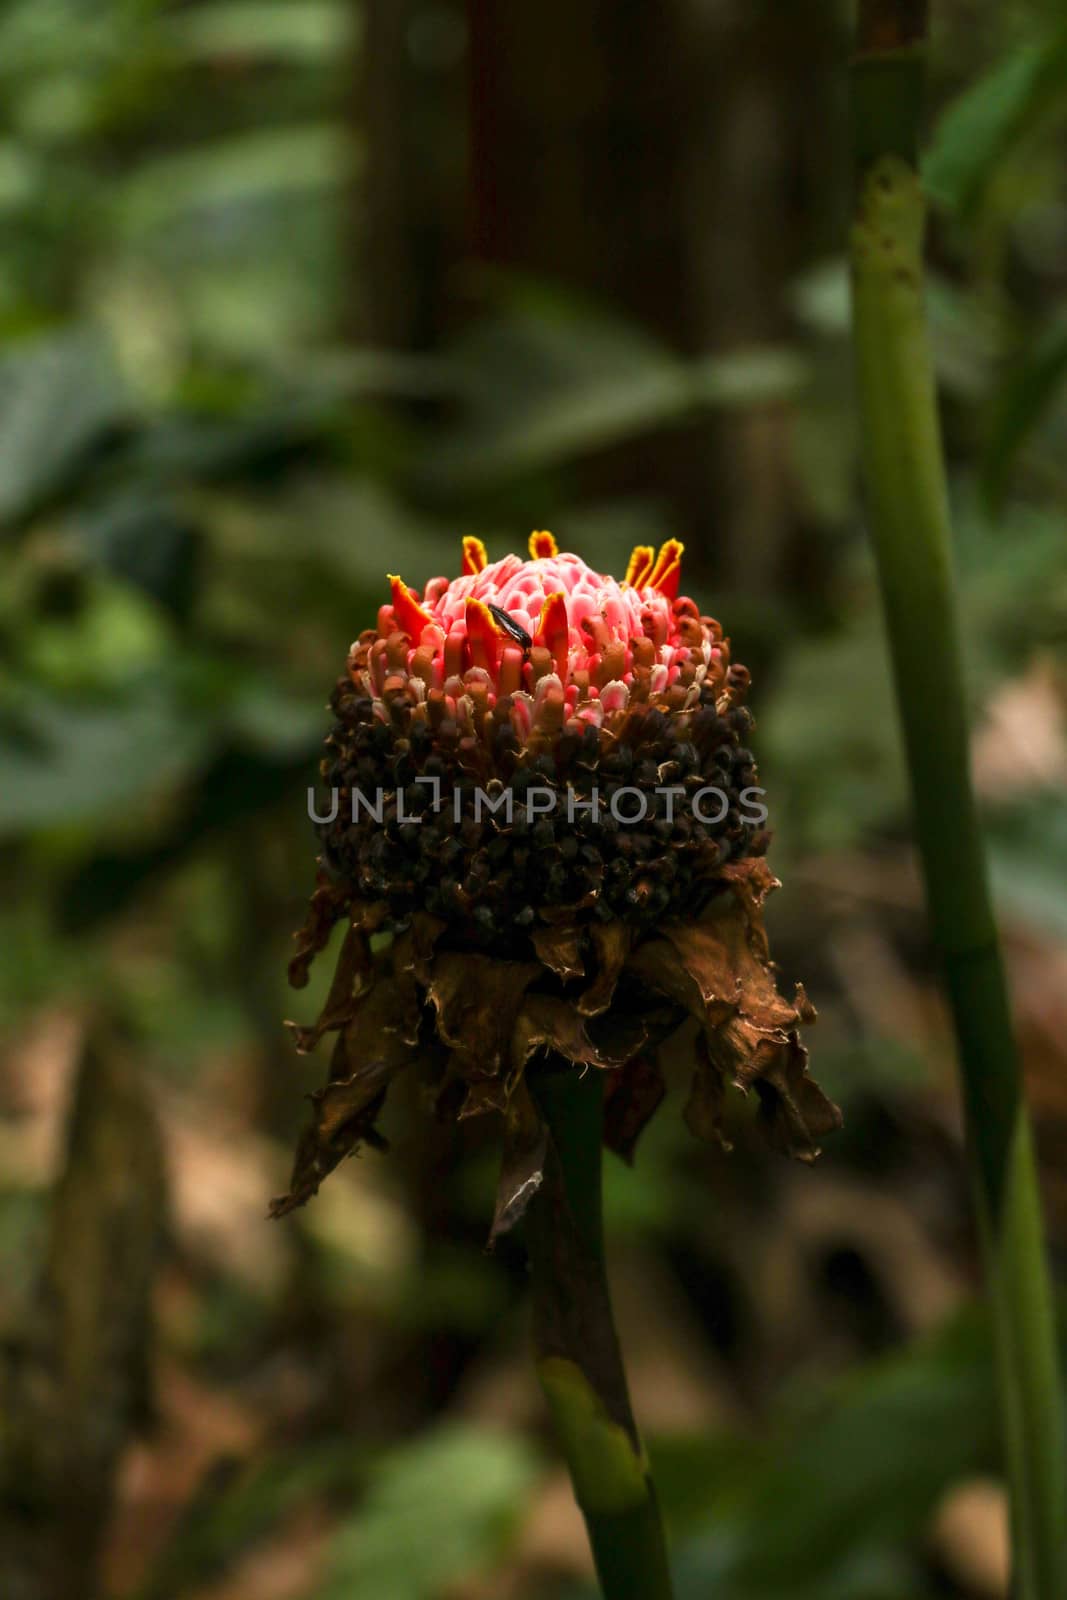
[525, 923]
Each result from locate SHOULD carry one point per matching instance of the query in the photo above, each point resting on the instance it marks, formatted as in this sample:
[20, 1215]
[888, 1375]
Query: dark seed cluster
[492, 879]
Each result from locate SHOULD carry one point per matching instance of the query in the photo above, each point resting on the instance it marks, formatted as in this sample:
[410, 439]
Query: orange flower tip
[484, 638]
[543, 546]
[641, 563]
[667, 569]
[475, 556]
[667, 585]
[553, 618]
[553, 630]
[408, 614]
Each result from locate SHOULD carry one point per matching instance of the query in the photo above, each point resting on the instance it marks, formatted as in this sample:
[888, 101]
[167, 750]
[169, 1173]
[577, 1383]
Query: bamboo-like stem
[909, 516]
[577, 1349]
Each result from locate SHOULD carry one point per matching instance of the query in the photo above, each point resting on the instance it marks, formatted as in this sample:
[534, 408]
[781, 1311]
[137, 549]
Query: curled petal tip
[543, 546]
[642, 560]
[484, 638]
[668, 583]
[553, 630]
[408, 614]
[475, 556]
[667, 569]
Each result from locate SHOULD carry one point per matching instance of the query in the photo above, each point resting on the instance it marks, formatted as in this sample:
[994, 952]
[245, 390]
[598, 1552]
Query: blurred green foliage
[201, 485]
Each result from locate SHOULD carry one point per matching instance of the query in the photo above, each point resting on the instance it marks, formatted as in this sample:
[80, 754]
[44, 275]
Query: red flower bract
[492, 737]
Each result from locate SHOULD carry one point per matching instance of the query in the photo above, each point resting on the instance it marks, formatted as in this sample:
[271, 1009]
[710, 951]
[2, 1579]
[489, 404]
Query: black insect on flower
[511, 627]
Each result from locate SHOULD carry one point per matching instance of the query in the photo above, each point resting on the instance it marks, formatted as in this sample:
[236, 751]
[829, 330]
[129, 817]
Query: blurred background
[296, 291]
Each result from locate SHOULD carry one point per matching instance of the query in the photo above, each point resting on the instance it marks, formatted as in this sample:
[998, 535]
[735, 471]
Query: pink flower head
[557, 638]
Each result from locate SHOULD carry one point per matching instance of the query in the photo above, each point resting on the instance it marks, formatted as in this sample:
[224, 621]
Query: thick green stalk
[577, 1349]
[908, 511]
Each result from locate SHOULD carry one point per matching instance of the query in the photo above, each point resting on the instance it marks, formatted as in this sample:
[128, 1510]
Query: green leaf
[873, 1463]
[760, 375]
[69, 761]
[829, 743]
[269, 163]
[315, 31]
[831, 1508]
[985, 121]
[1030, 389]
[348, 524]
[821, 298]
[58, 396]
[37, 36]
[438, 1510]
[1028, 861]
[544, 387]
[20, 176]
[240, 784]
[105, 640]
[865, 1575]
[144, 538]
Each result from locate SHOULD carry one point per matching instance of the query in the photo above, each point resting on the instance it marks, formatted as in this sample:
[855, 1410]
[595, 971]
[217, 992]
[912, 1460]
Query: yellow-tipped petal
[409, 614]
[641, 563]
[484, 638]
[553, 631]
[667, 569]
[542, 545]
[475, 557]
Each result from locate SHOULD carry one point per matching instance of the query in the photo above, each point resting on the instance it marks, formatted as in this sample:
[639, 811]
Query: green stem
[909, 517]
[577, 1349]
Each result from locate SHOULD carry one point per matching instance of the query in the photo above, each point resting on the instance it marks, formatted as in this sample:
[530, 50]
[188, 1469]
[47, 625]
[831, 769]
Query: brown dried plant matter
[605, 997]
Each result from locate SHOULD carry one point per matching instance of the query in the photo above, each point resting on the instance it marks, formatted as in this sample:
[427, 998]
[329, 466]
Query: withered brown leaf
[718, 968]
[477, 999]
[378, 1041]
[559, 949]
[548, 1023]
[611, 942]
[353, 967]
